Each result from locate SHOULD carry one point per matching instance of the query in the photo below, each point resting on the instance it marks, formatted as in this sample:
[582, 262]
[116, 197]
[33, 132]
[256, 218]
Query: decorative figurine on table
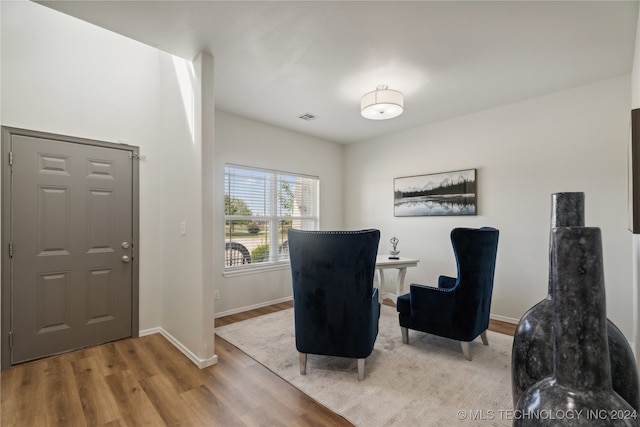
[394, 253]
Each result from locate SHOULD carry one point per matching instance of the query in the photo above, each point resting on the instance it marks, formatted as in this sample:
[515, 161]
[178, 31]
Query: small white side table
[383, 262]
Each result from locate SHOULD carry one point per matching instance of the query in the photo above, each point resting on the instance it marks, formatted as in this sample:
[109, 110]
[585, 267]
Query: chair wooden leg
[405, 335]
[360, 369]
[303, 363]
[483, 335]
[466, 349]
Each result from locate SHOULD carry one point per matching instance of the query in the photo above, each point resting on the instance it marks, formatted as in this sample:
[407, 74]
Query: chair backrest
[332, 275]
[337, 265]
[475, 250]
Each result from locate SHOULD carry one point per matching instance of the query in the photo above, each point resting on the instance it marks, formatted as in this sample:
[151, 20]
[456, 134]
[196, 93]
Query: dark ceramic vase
[579, 390]
[532, 352]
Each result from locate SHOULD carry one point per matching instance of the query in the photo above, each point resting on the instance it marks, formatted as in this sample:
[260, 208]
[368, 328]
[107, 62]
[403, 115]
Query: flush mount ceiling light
[381, 104]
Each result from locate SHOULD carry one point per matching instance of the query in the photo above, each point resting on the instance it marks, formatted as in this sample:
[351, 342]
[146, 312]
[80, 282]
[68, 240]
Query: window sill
[254, 269]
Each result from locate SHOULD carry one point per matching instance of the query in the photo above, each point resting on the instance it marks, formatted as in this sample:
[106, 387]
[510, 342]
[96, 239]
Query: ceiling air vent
[307, 116]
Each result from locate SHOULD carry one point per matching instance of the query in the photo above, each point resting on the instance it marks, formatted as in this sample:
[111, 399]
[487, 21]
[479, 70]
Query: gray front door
[71, 245]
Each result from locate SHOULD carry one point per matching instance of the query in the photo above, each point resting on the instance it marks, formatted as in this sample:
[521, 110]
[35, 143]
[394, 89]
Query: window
[259, 207]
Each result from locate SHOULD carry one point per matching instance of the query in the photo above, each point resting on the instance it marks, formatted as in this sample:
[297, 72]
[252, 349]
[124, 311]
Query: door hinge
[11, 158]
[134, 156]
[10, 249]
[10, 339]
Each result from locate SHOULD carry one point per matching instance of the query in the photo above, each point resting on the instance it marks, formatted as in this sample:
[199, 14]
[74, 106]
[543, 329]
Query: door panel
[53, 229]
[100, 218]
[52, 306]
[72, 208]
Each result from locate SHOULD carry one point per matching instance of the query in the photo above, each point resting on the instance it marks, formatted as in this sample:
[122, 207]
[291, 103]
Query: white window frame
[271, 213]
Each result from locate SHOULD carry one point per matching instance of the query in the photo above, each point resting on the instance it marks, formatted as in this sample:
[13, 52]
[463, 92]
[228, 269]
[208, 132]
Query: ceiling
[277, 60]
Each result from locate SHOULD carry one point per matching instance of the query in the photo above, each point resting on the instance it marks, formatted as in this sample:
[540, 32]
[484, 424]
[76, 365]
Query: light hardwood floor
[148, 382]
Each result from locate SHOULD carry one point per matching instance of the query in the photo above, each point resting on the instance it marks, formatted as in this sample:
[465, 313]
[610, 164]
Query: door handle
[125, 259]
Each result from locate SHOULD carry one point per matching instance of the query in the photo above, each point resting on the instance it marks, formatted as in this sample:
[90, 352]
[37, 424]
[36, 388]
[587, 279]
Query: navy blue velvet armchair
[459, 307]
[336, 307]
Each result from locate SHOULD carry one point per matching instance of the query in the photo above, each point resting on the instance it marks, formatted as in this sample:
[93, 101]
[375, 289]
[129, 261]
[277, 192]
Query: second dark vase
[579, 390]
[532, 352]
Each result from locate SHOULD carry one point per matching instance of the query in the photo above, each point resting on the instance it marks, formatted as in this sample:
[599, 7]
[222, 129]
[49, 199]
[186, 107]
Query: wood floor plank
[296, 405]
[237, 317]
[109, 358]
[169, 406]
[63, 405]
[502, 327]
[133, 404]
[173, 364]
[137, 359]
[22, 397]
[259, 417]
[210, 409]
[98, 404]
[233, 387]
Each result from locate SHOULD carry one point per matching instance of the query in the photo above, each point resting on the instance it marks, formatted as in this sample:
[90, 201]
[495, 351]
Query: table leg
[400, 285]
[381, 284]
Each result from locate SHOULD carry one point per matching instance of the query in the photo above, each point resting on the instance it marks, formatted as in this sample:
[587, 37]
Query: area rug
[425, 383]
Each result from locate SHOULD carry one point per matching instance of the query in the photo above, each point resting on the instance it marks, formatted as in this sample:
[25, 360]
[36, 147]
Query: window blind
[260, 207]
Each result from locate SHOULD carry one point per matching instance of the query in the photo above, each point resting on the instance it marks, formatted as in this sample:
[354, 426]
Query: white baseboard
[150, 331]
[504, 319]
[251, 307]
[200, 363]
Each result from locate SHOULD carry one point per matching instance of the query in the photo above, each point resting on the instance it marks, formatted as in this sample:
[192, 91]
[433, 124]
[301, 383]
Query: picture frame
[438, 194]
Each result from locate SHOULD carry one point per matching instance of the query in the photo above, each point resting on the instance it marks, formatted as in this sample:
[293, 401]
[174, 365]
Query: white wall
[66, 76]
[186, 124]
[574, 140]
[247, 142]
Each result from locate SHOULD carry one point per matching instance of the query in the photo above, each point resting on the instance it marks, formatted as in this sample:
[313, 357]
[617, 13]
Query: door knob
[125, 259]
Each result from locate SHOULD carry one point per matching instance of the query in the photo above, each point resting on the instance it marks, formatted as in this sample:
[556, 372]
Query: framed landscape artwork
[439, 194]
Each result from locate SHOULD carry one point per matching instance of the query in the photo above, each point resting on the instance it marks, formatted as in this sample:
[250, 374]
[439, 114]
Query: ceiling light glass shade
[382, 104]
